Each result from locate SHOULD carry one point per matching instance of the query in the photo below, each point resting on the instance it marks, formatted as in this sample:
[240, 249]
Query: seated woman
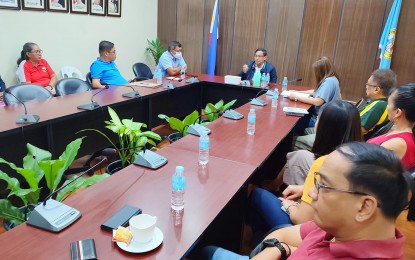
[338, 123]
[401, 138]
[33, 69]
[328, 89]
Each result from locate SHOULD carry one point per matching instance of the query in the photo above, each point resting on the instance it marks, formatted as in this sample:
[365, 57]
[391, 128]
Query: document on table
[299, 94]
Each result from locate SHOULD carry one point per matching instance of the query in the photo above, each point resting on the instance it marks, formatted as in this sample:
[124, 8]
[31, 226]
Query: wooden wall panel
[249, 31]
[320, 27]
[167, 21]
[357, 45]
[225, 41]
[403, 59]
[284, 23]
[190, 18]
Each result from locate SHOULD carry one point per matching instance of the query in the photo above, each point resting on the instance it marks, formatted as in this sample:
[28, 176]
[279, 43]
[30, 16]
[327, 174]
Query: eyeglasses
[322, 186]
[114, 51]
[374, 86]
[258, 56]
[37, 51]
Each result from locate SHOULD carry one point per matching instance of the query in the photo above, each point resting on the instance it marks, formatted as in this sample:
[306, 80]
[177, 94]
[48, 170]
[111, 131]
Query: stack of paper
[299, 94]
[295, 111]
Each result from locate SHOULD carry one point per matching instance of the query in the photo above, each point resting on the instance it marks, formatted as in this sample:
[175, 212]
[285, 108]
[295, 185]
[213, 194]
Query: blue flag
[388, 36]
[213, 40]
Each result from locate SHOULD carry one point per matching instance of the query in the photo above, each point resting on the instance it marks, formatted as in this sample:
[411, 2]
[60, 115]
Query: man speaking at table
[171, 61]
[258, 64]
[103, 69]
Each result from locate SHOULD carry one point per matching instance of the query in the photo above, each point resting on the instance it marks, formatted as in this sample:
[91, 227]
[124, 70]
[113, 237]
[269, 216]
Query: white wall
[72, 39]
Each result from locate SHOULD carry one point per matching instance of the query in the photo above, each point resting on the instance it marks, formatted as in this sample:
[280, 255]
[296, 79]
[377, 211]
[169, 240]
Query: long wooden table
[215, 198]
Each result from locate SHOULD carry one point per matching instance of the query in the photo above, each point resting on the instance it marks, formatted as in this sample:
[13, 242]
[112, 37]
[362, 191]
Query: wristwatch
[271, 242]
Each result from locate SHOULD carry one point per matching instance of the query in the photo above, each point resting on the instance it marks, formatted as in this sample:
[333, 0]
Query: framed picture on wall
[58, 6]
[79, 6]
[113, 8]
[38, 5]
[10, 4]
[97, 7]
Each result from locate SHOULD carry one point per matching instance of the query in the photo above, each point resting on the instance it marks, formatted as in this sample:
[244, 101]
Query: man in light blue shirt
[103, 69]
[171, 61]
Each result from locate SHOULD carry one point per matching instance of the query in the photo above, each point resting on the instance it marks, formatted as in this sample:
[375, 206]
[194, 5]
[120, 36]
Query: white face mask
[178, 55]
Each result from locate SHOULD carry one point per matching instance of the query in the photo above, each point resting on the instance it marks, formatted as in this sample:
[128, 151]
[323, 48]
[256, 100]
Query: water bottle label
[179, 183]
[204, 144]
[251, 119]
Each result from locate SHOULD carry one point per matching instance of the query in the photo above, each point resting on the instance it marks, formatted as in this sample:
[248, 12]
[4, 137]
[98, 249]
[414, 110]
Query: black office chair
[25, 93]
[71, 85]
[142, 72]
[383, 130]
[88, 78]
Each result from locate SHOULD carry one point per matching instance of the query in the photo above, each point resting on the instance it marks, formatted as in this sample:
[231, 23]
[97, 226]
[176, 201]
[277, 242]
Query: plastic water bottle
[178, 189]
[275, 98]
[263, 80]
[183, 73]
[251, 122]
[284, 84]
[204, 148]
[158, 76]
[267, 79]
[256, 80]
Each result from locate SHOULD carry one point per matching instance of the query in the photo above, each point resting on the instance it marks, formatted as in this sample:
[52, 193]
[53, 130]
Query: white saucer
[135, 247]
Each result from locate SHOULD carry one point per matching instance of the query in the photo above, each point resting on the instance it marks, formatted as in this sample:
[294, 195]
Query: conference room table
[215, 196]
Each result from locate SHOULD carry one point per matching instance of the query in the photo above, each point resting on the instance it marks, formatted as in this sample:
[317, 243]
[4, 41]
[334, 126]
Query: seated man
[103, 69]
[171, 61]
[259, 63]
[373, 113]
[359, 192]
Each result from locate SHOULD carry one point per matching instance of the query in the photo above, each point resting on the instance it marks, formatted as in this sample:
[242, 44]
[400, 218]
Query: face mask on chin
[178, 55]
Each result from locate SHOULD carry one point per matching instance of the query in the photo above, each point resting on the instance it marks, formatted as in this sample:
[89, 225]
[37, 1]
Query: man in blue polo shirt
[171, 61]
[103, 69]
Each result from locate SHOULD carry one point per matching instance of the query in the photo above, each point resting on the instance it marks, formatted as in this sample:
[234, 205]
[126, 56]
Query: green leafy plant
[155, 49]
[38, 164]
[130, 137]
[181, 125]
[219, 106]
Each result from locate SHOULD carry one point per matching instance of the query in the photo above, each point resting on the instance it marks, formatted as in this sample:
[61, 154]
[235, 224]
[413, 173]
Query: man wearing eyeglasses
[258, 64]
[373, 113]
[171, 62]
[359, 192]
[103, 70]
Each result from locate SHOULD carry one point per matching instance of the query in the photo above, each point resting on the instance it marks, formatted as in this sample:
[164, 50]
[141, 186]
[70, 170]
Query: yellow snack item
[122, 234]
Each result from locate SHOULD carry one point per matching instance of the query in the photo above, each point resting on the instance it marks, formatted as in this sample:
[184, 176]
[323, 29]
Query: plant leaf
[176, 124]
[229, 105]
[51, 168]
[115, 119]
[35, 155]
[11, 213]
[68, 156]
[162, 116]
[151, 135]
[219, 104]
[79, 184]
[191, 118]
[210, 108]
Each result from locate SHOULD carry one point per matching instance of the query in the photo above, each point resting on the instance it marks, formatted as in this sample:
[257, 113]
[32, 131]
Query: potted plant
[131, 139]
[155, 49]
[219, 106]
[180, 125]
[37, 164]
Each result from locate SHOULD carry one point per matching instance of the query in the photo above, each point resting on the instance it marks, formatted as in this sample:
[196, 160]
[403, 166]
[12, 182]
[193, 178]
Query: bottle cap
[179, 169]
[252, 110]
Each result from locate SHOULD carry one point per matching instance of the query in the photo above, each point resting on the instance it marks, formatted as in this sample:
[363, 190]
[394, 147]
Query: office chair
[383, 130]
[71, 72]
[71, 85]
[88, 78]
[142, 72]
[25, 93]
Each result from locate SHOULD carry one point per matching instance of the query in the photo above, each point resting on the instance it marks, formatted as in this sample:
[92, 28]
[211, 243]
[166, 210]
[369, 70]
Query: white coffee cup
[142, 227]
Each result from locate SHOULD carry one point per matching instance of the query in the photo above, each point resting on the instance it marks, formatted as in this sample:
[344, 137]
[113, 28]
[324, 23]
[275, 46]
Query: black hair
[27, 47]
[386, 79]
[173, 45]
[339, 122]
[405, 100]
[264, 51]
[378, 172]
[105, 46]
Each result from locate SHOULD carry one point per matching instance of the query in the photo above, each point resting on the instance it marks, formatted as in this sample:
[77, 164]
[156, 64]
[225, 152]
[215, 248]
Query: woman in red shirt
[35, 70]
[401, 139]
